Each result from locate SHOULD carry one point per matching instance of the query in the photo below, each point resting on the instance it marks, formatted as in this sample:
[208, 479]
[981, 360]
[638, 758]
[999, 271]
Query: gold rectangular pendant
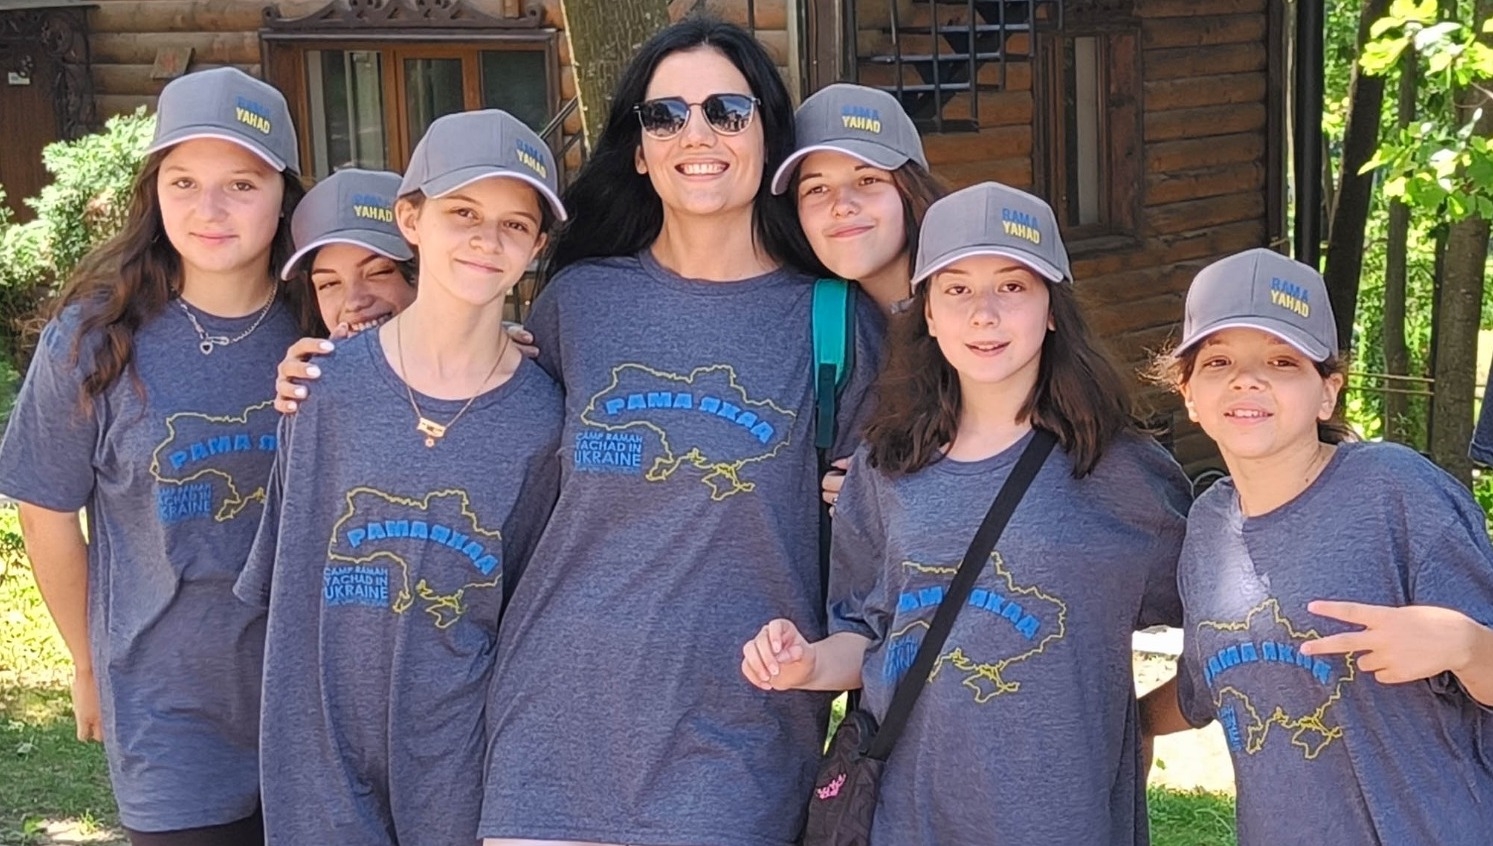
[432, 430]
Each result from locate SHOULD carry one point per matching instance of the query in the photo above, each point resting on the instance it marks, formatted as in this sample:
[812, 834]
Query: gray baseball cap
[349, 207]
[991, 219]
[862, 122]
[459, 149]
[230, 105]
[1261, 289]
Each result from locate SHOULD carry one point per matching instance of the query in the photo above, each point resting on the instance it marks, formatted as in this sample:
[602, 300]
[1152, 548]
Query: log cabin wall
[128, 34]
[1211, 156]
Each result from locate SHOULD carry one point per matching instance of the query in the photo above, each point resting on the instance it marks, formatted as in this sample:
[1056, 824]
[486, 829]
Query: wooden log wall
[1204, 97]
[126, 35]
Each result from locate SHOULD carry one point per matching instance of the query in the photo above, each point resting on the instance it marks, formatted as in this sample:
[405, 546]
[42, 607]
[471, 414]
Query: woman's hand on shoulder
[296, 371]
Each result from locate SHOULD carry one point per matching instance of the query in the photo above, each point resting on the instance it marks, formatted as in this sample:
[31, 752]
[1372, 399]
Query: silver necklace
[206, 342]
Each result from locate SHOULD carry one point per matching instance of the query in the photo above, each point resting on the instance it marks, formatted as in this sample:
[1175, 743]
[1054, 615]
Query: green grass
[1191, 818]
[47, 774]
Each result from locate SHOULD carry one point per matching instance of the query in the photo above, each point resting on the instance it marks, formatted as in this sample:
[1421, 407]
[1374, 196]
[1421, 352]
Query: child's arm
[59, 561]
[779, 658]
[1410, 643]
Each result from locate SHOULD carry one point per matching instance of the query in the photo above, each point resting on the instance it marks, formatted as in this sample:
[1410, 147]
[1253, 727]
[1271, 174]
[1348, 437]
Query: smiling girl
[1338, 594]
[146, 405]
[350, 252]
[409, 492]
[861, 183]
[1027, 730]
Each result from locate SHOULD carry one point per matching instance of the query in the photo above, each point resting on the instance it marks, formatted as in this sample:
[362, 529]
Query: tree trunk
[1396, 352]
[1461, 308]
[1351, 210]
[603, 35]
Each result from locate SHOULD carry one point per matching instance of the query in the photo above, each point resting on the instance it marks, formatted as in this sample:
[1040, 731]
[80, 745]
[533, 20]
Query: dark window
[366, 104]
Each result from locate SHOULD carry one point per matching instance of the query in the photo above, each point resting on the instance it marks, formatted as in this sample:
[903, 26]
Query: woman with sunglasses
[680, 327]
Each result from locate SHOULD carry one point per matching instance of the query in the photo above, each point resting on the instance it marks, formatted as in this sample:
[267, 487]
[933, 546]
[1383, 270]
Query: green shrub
[84, 206]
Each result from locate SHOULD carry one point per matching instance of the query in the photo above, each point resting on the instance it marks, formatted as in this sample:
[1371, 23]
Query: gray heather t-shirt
[1027, 731]
[171, 470]
[688, 516]
[384, 565]
[1323, 752]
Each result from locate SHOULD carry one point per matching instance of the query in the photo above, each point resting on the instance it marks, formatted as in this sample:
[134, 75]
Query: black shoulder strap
[979, 551]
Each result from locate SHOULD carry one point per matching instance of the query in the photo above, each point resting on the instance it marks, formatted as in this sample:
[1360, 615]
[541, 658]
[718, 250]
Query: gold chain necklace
[432, 430]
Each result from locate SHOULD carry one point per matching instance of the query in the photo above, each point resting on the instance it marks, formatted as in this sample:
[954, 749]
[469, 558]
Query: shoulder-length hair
[1079, 396]
[127, 280]
[614, 210]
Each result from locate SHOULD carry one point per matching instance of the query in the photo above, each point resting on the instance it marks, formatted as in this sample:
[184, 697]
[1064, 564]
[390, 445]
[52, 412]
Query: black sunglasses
[727, 114]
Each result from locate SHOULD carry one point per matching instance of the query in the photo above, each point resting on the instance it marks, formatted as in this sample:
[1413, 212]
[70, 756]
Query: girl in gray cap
[351, 256]
[409, 491]
[1025, 730]
[1338, 594]
[861, 183]
[350, 252]
[146, 405]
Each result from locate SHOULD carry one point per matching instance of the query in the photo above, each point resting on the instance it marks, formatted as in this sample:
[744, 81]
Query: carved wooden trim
[63, 36]
[405, 15]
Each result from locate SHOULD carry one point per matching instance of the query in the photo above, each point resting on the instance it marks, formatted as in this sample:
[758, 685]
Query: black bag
[844, 800]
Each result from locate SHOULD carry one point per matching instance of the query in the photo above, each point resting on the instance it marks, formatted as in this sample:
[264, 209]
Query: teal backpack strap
[834, 329]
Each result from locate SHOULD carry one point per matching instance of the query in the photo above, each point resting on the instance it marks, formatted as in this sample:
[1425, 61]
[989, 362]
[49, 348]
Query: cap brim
[191, 133]
[458, 179]
[867, 152]
[385, 244]
[1290, 333]
[1042, 267]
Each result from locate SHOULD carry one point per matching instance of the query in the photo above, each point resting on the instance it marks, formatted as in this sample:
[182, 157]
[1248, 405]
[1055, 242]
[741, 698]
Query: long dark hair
[1080, 395]
[614, 210]
[1171, 370]
[127, 280]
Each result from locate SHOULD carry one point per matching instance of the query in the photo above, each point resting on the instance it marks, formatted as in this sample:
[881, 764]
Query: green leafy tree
[83, 206]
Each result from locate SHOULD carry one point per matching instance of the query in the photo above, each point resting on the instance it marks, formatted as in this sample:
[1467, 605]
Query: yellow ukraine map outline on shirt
[451, 602]
[991, 673]
[232, 504]
[1302, 726]
[724, 477]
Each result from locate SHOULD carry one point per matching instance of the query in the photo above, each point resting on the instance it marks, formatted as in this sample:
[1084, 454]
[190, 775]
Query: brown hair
[1079, 396]
[129, 279]
[919, 189]
[1173, 370]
